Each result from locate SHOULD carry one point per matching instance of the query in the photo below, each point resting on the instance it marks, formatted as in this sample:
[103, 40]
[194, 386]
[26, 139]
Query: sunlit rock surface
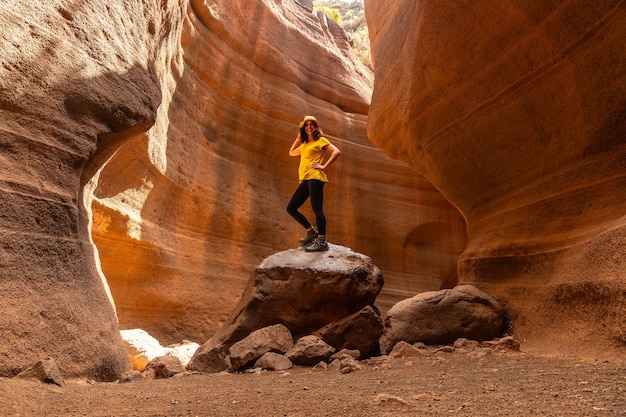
[77, 78]
[182, 220]
[515, 111]
[144, 149]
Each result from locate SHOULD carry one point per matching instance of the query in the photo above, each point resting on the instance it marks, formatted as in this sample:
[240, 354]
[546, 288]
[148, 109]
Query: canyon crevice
[144, 160]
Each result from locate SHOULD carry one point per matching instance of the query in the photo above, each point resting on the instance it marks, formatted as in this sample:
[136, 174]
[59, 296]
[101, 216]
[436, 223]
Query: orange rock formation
[144, 149]
[516, 112]
[74, 78]
[179, 239]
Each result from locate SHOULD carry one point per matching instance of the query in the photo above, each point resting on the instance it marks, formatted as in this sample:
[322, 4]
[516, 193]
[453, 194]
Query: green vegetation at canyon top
[350, 15]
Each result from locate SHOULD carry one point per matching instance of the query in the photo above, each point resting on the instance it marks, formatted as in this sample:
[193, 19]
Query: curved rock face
[147, 144]
[75, 79]
[179, 235]
[515, 111]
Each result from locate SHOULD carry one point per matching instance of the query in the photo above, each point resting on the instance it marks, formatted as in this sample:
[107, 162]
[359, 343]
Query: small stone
[163, 367]
[387, 398]
[445, 349]
[405, 350]
[320, 367]
[45, 371]
[508, 343]
[310, 350]
[272, 361]
[130, 376]
[465, 343]
[349, 364]
[353, 353]
[479, 353]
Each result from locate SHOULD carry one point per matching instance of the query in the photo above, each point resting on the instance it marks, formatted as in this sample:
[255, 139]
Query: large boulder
[302, 291]
[515, 111]
[441, 317]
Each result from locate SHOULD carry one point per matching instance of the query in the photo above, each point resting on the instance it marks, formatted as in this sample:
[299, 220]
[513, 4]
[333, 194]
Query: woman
[316, 154]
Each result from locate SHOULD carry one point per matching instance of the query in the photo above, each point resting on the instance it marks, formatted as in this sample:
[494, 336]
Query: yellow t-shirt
[312, 151]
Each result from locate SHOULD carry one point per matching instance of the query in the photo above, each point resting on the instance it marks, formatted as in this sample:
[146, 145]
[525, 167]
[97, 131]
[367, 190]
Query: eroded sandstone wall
[179, 241]
[144, 158]
[516, 111]
[76, 77]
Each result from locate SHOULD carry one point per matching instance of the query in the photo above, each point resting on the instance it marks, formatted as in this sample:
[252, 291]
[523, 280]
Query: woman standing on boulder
[313, 149]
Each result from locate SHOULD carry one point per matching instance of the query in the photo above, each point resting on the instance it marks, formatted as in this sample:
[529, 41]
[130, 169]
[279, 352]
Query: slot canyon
[145, 171]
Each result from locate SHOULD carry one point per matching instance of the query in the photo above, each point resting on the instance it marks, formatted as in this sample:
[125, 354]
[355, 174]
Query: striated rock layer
[516, 112]
[144, 148]
[179, 237]
[76, 78]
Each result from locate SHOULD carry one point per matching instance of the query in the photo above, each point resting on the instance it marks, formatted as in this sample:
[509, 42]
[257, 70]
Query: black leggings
[313, 189]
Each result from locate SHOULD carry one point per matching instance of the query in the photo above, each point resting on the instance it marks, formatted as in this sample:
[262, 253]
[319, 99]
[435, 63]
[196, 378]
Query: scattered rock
[46, 371]
[441, 317]
[272, 361]
[376, 361]
[445, 349]
[405, 350]
[163, 367]
[209, 359]
[335, 364]
[348, 364]
[508, 343]
[426, 397]
[310, 350]
[353, 353]
[479, 353]
[389, 399]
[275, 338]
[359, 331]
[465, 343]
[130, 376]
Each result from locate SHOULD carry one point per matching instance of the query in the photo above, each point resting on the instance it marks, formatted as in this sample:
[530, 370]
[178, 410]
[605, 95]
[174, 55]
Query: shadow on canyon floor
[445, 383]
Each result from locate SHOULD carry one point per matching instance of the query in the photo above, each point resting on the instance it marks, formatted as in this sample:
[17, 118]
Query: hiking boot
[317, 246]
[310, 237]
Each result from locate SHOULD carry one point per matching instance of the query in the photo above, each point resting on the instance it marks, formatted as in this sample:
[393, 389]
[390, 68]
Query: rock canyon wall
[516, 111]
[144, 155]
[216, 207]
[76, 78]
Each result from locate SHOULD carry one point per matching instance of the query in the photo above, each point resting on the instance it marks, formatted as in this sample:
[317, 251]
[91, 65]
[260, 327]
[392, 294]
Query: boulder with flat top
[302, 291]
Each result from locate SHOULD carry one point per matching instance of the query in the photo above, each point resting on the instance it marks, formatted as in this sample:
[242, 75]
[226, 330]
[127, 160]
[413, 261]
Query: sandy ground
[498, 384]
